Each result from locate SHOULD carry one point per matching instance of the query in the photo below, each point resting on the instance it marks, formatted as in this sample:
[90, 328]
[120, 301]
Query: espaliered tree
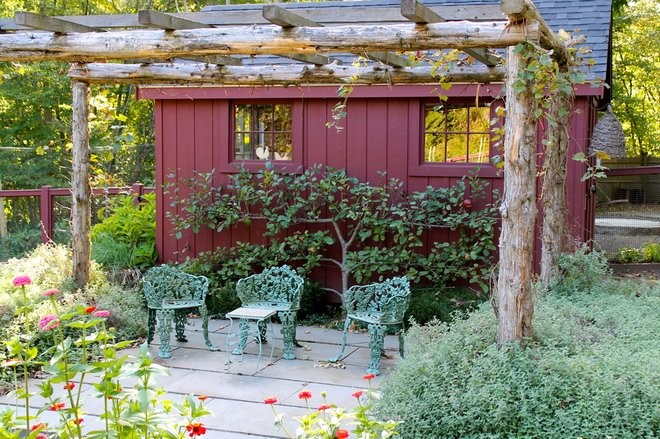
[378, 229]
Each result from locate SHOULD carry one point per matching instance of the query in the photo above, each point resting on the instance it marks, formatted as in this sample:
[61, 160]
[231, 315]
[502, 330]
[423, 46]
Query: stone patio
[236, 394]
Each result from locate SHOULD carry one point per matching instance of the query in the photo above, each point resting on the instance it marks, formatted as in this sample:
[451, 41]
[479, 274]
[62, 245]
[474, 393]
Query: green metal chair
[380, 306]
[276, 288]
[171, 294]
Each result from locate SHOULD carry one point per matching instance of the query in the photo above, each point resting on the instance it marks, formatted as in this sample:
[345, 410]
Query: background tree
[636, 73]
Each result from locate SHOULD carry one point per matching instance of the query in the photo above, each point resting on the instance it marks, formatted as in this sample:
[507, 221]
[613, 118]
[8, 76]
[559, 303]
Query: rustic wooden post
[46, 214]
[3, 218]
[554, 233]
[81, 209]
[518, 209]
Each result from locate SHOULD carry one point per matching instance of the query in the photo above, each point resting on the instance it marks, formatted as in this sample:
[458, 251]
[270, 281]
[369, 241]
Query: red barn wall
[382, 132]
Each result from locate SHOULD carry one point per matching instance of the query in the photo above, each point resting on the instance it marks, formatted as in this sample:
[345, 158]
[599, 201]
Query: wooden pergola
[222, 47]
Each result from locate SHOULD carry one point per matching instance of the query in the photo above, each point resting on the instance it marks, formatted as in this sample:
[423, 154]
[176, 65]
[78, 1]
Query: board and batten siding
[382, 133]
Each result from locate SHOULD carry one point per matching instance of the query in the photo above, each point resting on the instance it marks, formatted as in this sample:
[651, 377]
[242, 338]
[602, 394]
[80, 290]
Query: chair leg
[151, 325]
[377, 342]
[343, 341]
[165, 317]
[243, 327]
[180, 325]
[288, 319]
[204, 314]
[401, 341]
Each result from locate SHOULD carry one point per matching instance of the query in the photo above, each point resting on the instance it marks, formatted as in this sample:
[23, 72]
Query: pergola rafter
[221, 37]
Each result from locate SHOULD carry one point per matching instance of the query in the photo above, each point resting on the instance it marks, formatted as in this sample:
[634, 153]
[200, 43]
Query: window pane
[479, 119]
[282, 147]
[479, 145]
[242, 148]
[456, 148]
[283, 118]
[434, 119]
[457, 120]
[434, 148]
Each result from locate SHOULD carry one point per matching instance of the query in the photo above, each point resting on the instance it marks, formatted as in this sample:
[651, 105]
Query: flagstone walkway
[235, 395]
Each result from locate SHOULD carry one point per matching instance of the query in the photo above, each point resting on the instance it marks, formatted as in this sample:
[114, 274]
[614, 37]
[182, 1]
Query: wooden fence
[46, 195]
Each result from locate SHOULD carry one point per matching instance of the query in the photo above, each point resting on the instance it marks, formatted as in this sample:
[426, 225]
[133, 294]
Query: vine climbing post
[518, 209]
[81, 207]
[555, 144]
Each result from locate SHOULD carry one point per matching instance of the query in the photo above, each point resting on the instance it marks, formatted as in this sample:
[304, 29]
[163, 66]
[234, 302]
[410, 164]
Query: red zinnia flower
[90, 309]
[357, 394]
[324, 407]
[369, 376]
[270, 400]
[20, 281]
[41, 436]
[196, 429]
[51, 292]
[305, 394]
[38, 426]
[69, 386]
[341, 434]
[203, 397]
[78, 421]
[56, 406]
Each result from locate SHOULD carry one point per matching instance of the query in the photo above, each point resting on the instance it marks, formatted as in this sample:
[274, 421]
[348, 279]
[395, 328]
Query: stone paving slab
[236, 394]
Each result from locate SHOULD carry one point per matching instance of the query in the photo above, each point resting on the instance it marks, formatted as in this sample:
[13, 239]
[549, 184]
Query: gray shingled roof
[590, 18]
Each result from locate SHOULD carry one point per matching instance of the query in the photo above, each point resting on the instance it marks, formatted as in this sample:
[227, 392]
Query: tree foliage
[636, 69]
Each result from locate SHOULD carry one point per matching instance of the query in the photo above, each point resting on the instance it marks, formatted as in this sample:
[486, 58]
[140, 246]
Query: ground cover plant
[592, 369]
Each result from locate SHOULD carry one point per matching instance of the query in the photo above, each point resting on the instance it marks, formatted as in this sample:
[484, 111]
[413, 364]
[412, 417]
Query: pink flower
[323, 407]
[357, 394]
[48, 322]
[41, 436]
[51, 292]
[101, 313]
[22, 280]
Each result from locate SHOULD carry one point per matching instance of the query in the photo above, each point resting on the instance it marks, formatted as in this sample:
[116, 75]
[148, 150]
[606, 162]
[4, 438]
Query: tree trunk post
[3, 218]
[554, 233]
[81, 209]
[518, 209]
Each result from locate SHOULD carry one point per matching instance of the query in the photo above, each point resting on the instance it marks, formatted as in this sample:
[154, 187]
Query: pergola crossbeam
[418, 13]
[51, 24]
[159, 20]
[293, 74]
[259, 40]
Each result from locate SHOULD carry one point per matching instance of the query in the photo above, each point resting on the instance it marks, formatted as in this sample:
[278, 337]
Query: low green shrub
[126, 237]
[592, 371]
[17, 244]
[580, 271]
[629, 255]
[440, 303]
